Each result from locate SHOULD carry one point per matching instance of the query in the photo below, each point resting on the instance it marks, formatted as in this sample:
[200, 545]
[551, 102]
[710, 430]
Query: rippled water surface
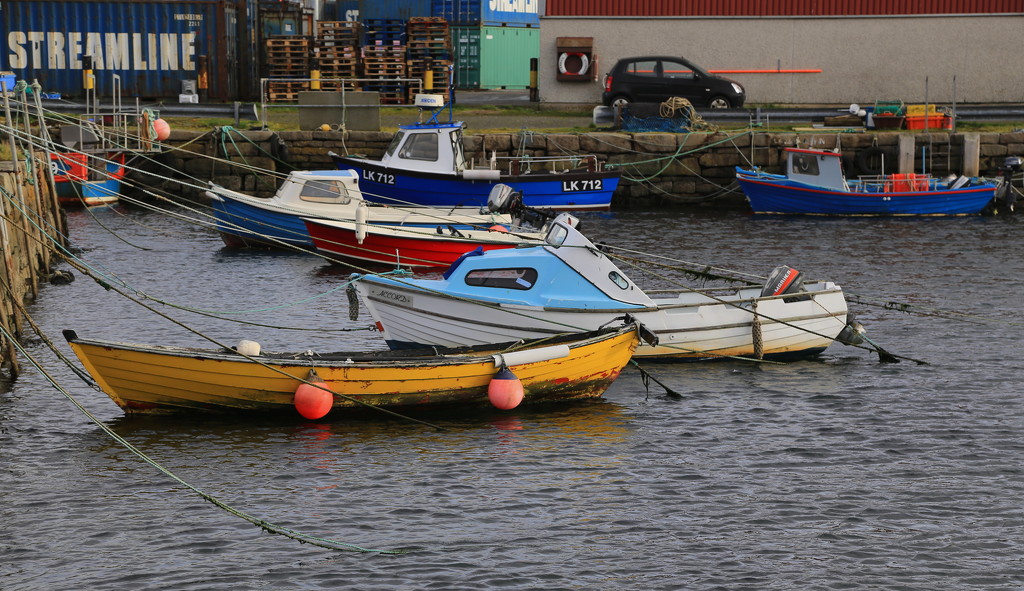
[839, 473]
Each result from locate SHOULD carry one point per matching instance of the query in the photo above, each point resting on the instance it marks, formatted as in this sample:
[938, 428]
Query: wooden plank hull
[142, 378]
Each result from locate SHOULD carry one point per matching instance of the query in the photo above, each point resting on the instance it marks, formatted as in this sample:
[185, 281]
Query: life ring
[584, 63]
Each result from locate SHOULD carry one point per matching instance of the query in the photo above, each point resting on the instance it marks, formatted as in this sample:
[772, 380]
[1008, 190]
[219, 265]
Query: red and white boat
[417, 247]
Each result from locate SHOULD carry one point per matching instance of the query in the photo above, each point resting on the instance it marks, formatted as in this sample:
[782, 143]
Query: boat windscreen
[395, 142]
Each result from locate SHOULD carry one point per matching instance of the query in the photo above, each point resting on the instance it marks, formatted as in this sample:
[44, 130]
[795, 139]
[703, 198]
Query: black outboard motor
[505, 199]
[1005, 194]
[783, 280]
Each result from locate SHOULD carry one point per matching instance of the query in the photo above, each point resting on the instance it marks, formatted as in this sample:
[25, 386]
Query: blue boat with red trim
[814, 184]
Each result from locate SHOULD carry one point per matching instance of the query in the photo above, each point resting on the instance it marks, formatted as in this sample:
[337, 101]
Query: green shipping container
[490, 58]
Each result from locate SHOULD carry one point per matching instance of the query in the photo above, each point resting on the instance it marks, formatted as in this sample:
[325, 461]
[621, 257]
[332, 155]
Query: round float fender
[584, 63]
[869, 160]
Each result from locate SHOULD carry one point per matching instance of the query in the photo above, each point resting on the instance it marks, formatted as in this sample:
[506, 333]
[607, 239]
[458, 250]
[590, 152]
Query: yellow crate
[920, 110]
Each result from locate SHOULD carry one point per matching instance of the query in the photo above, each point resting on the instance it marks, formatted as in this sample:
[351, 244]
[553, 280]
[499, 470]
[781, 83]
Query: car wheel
[620, 101]
[719, 102]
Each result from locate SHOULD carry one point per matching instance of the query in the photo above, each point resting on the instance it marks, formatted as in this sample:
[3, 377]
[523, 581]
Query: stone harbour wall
[659, 169]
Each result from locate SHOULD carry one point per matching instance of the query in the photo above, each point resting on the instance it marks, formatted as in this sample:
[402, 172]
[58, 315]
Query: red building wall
[655, 8]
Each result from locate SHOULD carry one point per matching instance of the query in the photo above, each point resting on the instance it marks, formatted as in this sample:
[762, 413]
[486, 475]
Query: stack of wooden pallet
[429, 49]
[287, 62]
[337, 53]
[384, 60]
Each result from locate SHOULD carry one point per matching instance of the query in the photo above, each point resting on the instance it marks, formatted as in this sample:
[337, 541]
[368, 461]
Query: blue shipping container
[401, 10]
[340, 10]
[510, 13]
[518, 13]
[152, 46]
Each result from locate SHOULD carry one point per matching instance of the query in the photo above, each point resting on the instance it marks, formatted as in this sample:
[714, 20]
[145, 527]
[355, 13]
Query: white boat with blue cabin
[570, 285]
[425, 164]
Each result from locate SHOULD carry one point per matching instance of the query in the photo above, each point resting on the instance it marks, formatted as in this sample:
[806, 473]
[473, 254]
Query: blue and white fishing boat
[87, 179]
[814, 184]
[425, 164]
[247, 221]
[569, 285]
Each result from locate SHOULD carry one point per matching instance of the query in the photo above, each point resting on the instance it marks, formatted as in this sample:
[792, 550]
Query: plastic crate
[889, 108]
[921, 110]
[936, 121]
[8, 78]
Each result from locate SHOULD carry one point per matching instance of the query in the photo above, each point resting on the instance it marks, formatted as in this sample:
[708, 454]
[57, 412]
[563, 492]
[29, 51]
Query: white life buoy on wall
[584, 63]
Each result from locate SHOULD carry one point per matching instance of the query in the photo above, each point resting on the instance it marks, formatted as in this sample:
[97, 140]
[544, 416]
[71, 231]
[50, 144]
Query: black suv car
[654, 79]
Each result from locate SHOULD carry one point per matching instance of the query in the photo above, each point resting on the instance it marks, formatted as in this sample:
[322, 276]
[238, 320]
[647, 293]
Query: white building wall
[862, 59]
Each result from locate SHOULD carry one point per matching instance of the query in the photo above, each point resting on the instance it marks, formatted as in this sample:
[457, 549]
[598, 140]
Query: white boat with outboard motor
[568, 284]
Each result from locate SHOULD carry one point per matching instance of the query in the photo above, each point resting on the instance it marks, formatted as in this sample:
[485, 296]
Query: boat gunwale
[436, 355]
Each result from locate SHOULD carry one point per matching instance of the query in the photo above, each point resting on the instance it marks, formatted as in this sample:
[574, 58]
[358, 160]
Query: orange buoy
[498, 228]
[313, 402]
[505, 390]
[162, 128]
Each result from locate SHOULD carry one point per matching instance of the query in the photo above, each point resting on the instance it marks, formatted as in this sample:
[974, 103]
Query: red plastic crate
[934, 122]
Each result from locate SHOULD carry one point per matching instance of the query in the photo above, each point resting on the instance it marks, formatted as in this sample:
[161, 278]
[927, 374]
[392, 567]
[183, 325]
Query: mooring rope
[108, 277]
[261, 523]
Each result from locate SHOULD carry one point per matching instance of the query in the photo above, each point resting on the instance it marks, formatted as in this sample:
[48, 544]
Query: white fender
[531, 355]
[584, 63]
[474, 174]
[361, 213]
[249, 348]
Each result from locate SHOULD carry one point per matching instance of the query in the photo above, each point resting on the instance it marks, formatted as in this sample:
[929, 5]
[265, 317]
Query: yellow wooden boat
[154, 378]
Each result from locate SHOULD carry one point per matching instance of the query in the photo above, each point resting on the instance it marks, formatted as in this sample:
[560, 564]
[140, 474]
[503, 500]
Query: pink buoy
[162, 128]
[313, 402]
[498, 228]
[505, 390]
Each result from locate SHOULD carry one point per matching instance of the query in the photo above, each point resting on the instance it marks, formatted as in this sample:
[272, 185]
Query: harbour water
[837, 473]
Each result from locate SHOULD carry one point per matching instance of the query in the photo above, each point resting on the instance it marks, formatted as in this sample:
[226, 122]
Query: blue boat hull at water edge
[243, 225]
[576, 191]
[776, 194]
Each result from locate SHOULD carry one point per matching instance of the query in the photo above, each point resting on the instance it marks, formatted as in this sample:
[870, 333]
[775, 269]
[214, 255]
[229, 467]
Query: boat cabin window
[556, 235]
[619, 280]
[395, 142]
[460, 156]
[324, 192]
[523, 278]
[420, 146]
[805, 164]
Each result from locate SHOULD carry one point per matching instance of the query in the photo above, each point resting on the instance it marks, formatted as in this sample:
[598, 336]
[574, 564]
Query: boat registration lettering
[582, 185]
[394, 296]
[382, 178]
